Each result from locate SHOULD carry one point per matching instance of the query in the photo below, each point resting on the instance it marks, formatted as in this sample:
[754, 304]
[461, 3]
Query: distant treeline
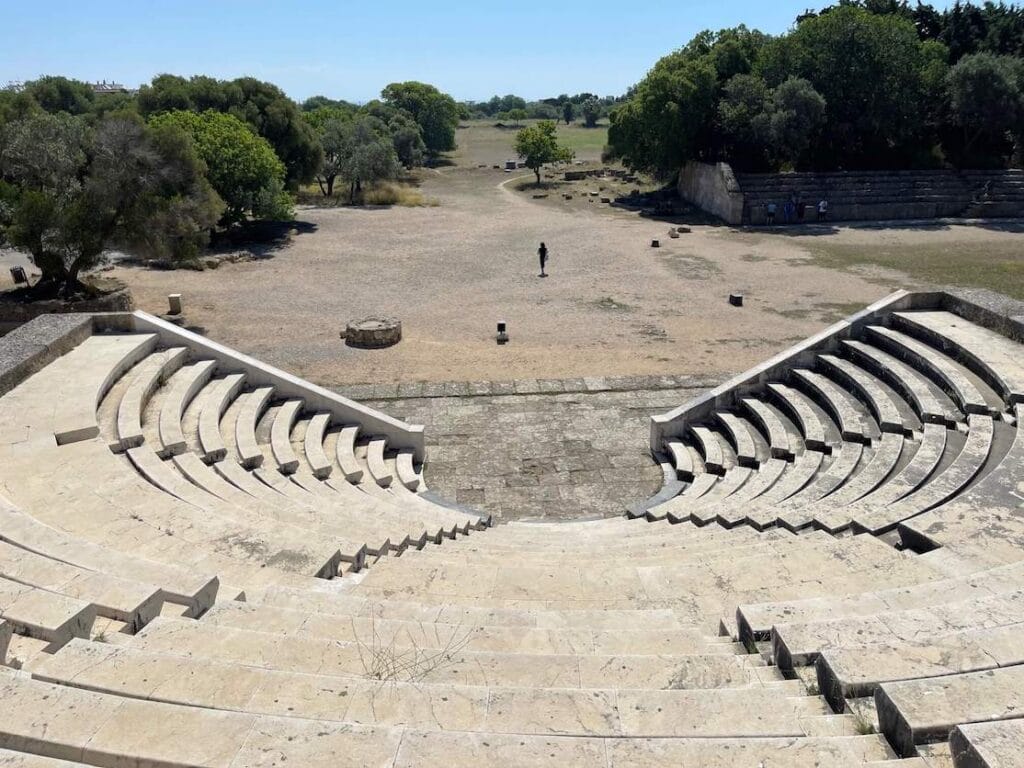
[870, 84]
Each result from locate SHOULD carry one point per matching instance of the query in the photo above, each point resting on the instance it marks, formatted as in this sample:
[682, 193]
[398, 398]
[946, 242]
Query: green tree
[261, 105]
[368, 155]
[61, 94]
[744, 119]
[591, 109]
[407, 140]
[242, 166]
[986, 100]
[538, 144]
[870, 71]
[798, 113]
[436, 113]
[73, 191]
[568, 111]
[517, 116]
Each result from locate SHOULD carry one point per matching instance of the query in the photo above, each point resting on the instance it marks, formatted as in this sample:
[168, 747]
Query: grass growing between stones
[996, 266]
[387, 662]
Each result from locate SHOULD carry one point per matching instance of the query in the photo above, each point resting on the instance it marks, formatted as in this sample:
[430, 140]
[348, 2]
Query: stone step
[44, 615]
[742, 439]
[313, 446]
[945, 485]
[404, 700]
[477, 637]
[885, 457]
[798, 644]
[992, 356]
[847, 672]
[851, 417]
[967, 390]
[132, 602]
[333, 658]
[988, 745]
[996, 498]
[195, 591]
[140, 384]
[890, 411]
[772, 425]
[215, 399]
[912, 712]
[929, 402]
[251, 408]
[285, 458]
[816, 435]
[181, 388]
[755, 621]
[709, 444]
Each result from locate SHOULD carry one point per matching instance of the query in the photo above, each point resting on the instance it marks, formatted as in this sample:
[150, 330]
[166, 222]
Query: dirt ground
[612, 305]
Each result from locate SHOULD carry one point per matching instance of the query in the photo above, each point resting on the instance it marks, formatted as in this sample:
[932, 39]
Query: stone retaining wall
[712, 188]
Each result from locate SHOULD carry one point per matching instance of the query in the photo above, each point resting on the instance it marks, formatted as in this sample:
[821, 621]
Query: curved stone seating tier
[855, 502]
[887, 195]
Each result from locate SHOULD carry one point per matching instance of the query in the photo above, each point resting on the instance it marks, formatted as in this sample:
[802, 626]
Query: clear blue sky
[351, 50]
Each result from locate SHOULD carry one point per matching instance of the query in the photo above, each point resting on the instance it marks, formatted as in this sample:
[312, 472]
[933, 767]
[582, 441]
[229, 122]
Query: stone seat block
[253, 405]
[988, 745]
[182, 388]
[378, 469]
[913, 712]
[143, 381]
[993, 356]
[313, 446]
[280, 436]
[216, 398]
[44, 615]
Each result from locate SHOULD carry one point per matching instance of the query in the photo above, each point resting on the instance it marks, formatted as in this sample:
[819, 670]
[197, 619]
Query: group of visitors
[794, 210]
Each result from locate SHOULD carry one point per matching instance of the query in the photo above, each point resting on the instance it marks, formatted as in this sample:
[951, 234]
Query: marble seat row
[893, 423]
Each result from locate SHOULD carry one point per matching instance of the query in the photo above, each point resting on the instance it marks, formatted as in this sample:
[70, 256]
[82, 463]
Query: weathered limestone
[800, 409]
[778, 435]
[145, 378]
[853, 425]
[994, 357]
[218, 397]
[44, 615]
[920, 711]
[988, 745]
[183, 386]
[253, 404]
[280, 436]
[313, 446]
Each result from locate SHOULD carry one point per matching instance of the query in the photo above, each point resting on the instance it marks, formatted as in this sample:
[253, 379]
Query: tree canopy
[70, 191]
[538, 145]
[435, 112]
[861, 84]
[263, 106]
[241, 166]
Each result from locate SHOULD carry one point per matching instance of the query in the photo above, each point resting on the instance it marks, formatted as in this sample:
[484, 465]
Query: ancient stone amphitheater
[206, 561]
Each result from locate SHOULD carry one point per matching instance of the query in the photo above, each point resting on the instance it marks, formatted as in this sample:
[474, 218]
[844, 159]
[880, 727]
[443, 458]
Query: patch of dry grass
[998, 266]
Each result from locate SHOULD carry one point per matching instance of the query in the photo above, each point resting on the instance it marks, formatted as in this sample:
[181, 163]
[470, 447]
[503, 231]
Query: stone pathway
[555, 449]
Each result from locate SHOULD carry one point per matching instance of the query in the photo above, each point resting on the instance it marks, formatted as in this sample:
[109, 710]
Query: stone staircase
[887, 195]
[206, 562]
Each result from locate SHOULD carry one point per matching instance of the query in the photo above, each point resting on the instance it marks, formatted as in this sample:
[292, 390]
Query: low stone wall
[712, 188]
[16, 313]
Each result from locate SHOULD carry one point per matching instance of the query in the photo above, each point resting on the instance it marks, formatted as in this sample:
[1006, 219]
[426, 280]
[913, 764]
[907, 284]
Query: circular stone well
[373, 332]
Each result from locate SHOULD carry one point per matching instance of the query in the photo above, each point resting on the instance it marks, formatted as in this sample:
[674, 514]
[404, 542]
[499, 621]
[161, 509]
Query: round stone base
[373, 332]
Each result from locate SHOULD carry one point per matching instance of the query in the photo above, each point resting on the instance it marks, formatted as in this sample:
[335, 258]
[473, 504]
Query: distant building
[111, 87]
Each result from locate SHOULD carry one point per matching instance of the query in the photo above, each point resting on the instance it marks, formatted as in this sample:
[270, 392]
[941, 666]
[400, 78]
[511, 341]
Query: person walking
[822, 209]
[543, 253]
[769, 215]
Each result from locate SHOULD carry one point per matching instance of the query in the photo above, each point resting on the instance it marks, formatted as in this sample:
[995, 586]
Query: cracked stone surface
[551, 454]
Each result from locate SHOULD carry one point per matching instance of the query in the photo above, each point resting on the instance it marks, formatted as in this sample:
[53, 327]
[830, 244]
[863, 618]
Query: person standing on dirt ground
[543, 253]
